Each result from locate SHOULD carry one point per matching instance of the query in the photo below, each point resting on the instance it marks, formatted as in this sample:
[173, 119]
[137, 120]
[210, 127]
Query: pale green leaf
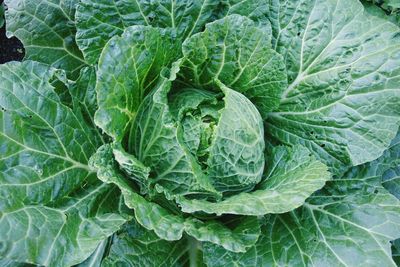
[332, 229]
[47, 30]
[128, 69]
[96, 258]
[391, 160]
[343, 74]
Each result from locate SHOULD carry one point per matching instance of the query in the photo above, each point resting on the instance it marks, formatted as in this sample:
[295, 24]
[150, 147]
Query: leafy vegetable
[200, 133]
[1, 15]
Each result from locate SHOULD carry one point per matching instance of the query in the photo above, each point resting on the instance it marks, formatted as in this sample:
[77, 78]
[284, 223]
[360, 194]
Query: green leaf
[83, 93]
[44, 146]
[47, 30]
[98, 21]
[137, 246]
[63, 233]
[128, 69]
[351, 226]
[95, 260]
[11, 263]
[343, 73]
[53, 209]
[1, 15]
[236, 52]
[391, 160]
[166, 224]
[132, 168]
[291, 176]
[236, 159]
[256, 10]
[153, 139]
[396, 251]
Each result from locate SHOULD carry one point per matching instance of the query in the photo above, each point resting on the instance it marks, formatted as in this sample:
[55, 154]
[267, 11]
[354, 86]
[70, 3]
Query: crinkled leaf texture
[291, 176]
[53, 209]
[238, 137]
[324, 74]
[350, 223]
[98, 21]
[47, 30]
[163, 222]
[236, 52]
[343, 74]
[388, 166]
[128, 69]
[391, 160]
[136, 246]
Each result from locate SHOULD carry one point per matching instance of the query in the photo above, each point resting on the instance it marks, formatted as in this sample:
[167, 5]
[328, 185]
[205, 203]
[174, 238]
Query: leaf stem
[194, 247]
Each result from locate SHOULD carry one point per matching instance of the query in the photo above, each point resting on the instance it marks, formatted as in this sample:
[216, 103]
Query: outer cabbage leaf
[128, 68]
[137, 246]
[389, 168]
[53, 209]
[236, 52]
[98, 21]
[350, 224]
[291, 176]
[44, 146]
[63, 233]
[47, 30]
[256, 10]
[166, 224]
[343, 72]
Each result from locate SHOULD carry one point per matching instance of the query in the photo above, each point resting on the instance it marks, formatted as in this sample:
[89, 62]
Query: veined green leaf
[137, 246]
[236, 52]
[47, 30]
[235, 162]
[128, 69]
[256, 10]
[96, 258]
[291, 176]
[166, 224]
[44, 146]
[391, 160]
[62, 233]
[343, 74]
[335, 229]
[98, 21]
[52, 208]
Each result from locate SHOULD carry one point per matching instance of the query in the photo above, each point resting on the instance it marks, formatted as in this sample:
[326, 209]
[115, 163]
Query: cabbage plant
[200, 133]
